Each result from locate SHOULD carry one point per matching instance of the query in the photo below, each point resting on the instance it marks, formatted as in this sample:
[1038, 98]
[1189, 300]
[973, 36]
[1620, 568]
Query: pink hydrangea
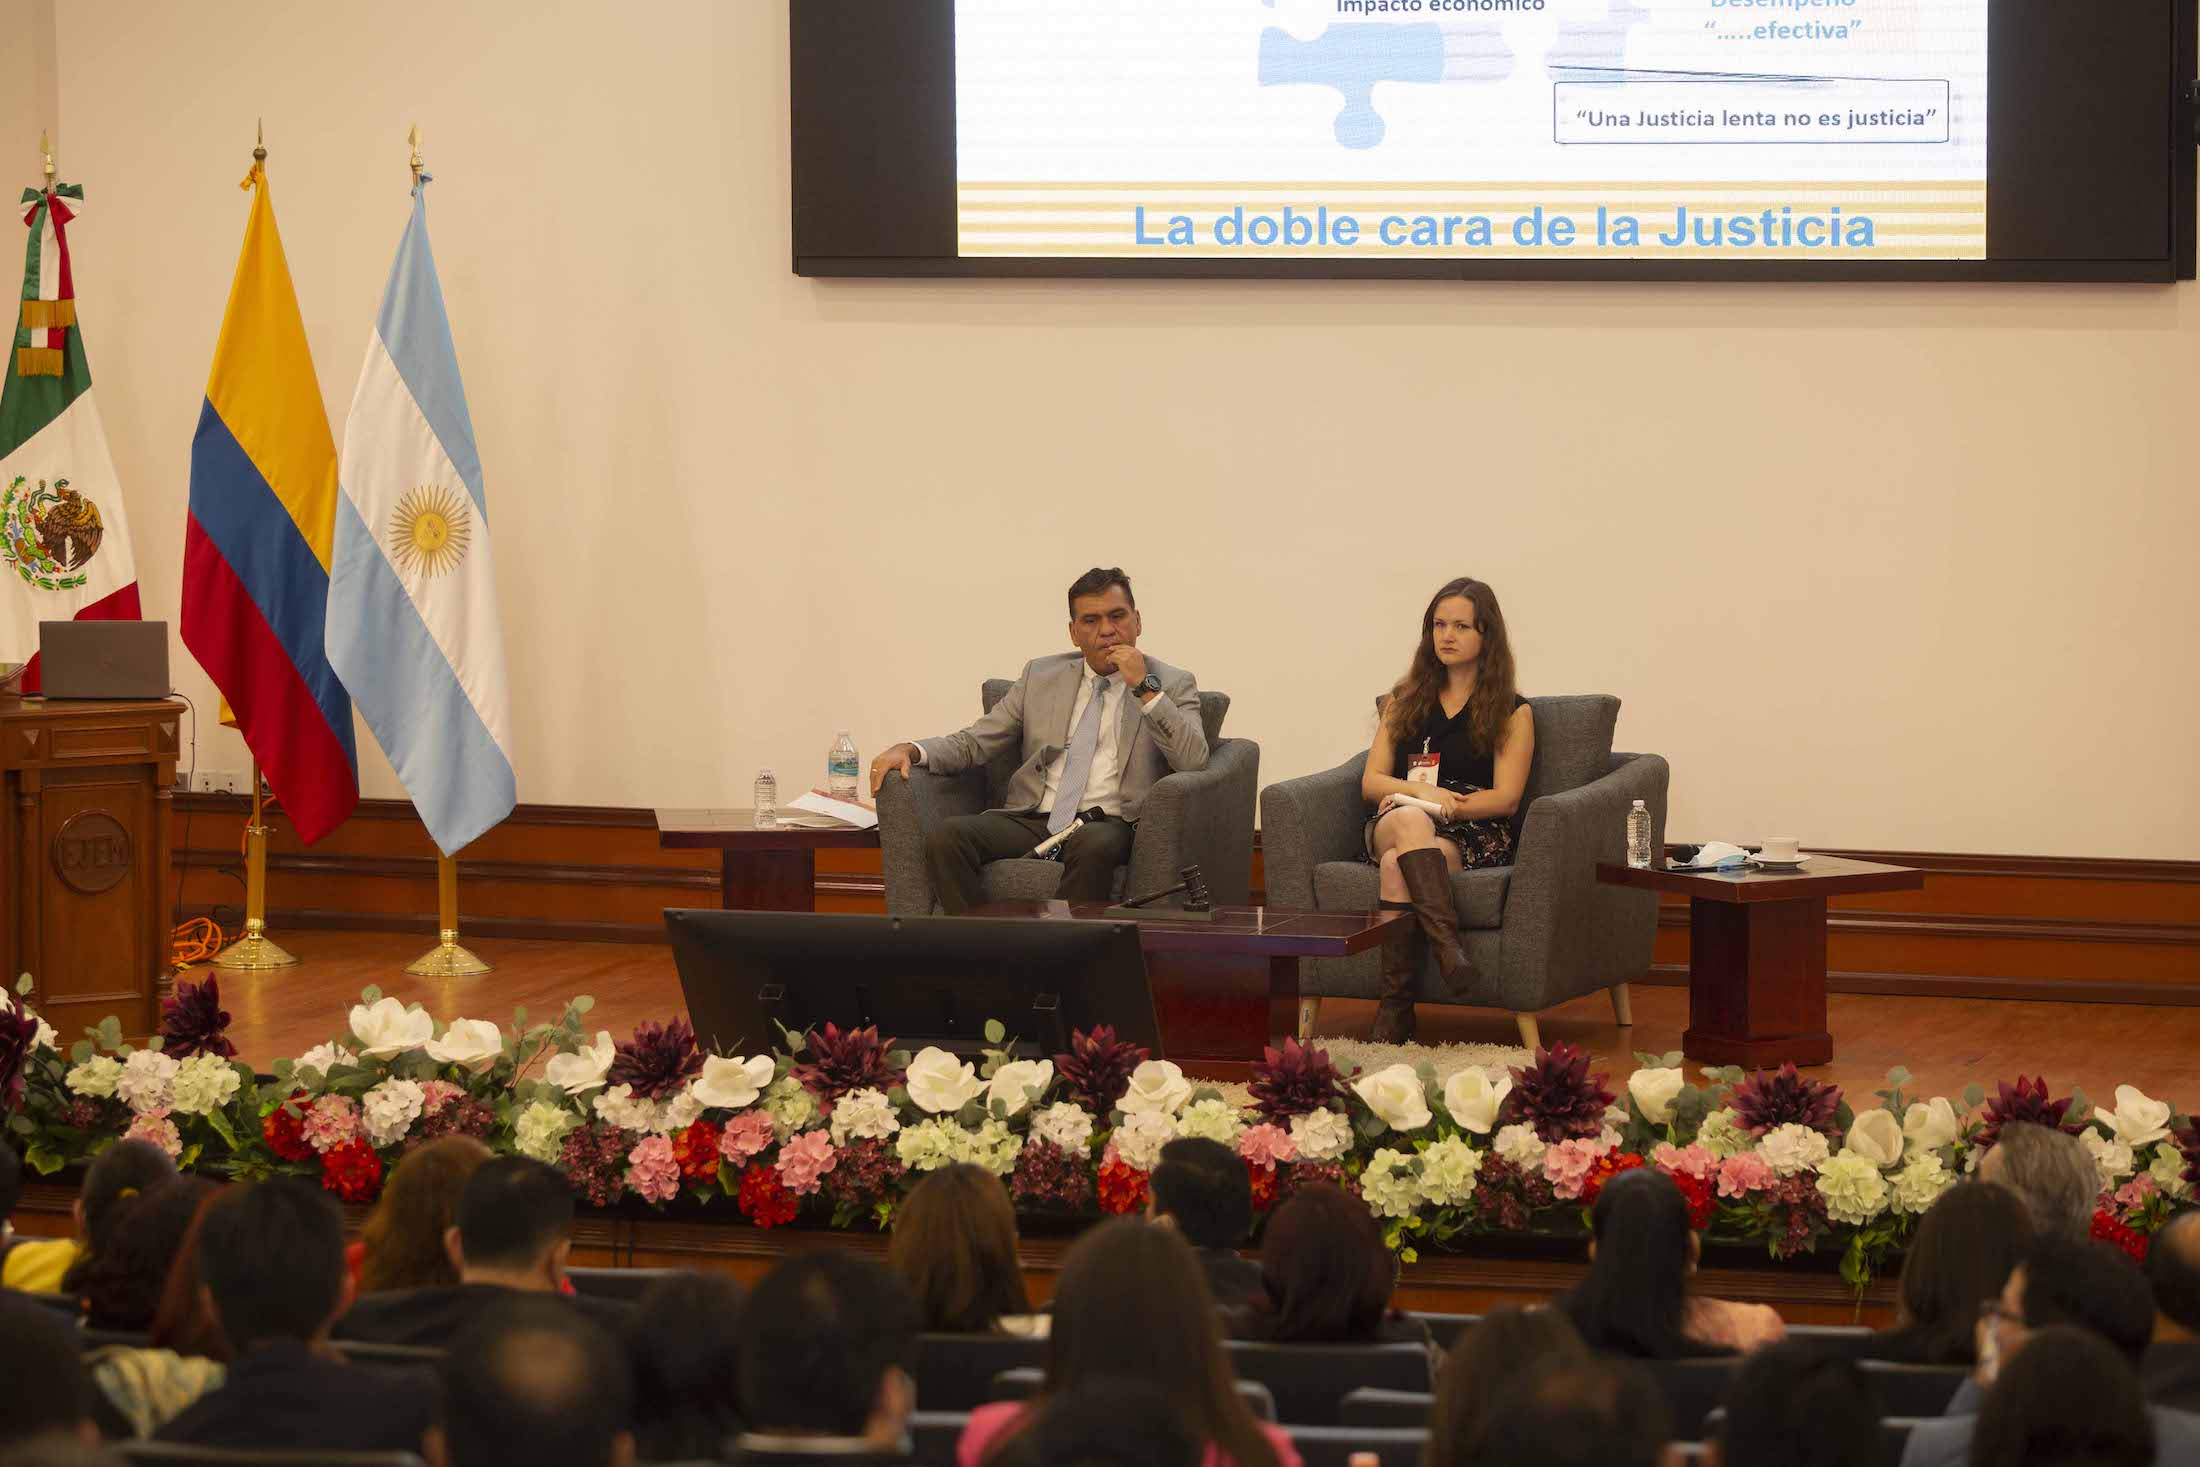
[154, 1126]
[330, 1121]
[805, 1160]
[1691, 1160]
[1266, 1144]
[1566, 1164]
[652, 1172]
[435, 1094]
[746, 1135]
[1741, 1175]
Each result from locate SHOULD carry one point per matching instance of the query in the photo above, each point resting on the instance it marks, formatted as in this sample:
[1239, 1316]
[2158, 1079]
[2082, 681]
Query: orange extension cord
[200, 938]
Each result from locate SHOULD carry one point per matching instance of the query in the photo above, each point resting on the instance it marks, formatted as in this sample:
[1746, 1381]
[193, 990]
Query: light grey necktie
[1082, 744]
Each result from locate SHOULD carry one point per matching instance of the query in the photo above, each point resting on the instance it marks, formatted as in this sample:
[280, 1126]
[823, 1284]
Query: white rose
[1138, 1141]
[1396, 1095]
[865, 1115]
[389, 1028]
[1877, 1137]
[147, 1081]
[96, 1077]
[1655, 1091]
[1792, 1148]
[474, 1043]
[940, 1083]
[584, 1069]
[203, 1083]
[325, 1057]
[1473, 1101]
[389, 1110]
[2137, 1120]
[1931, 1124]
[733, 1084]
[1520, 1145]
[1018, 1083]
[2168, 1171]
[2112, 1158]
[1157, 1087]
[1321, 1135]
[1067, 1125]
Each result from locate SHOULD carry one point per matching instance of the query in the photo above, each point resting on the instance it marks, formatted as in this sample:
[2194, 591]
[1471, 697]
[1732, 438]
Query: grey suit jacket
[1033, 718]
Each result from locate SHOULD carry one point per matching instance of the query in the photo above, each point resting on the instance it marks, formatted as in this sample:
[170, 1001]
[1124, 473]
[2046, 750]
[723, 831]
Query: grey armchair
[1540, 931]
[1200, 817]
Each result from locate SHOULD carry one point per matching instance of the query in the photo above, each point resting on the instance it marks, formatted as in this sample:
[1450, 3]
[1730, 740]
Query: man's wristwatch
[1151, 683]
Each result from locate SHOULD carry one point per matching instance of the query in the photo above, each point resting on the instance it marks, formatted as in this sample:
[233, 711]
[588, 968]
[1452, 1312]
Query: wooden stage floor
[1946, 1043]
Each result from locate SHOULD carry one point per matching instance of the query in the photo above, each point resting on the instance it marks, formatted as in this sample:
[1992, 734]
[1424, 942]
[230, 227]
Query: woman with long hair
[140, 1390]
[954, 1245]
[1454, 734]
[114, 1185]
[122, 1285]
[403, 1241]
[1504, 1356]
[1325, 1277]
[1967, 1244]
[1132, 1304]
[684, 1344]
[1636, 1299]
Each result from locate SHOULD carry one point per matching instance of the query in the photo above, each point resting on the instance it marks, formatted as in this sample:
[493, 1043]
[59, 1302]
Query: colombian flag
[256, 547]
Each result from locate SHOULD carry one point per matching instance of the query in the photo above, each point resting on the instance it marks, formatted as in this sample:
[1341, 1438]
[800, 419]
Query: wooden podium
[84, 857]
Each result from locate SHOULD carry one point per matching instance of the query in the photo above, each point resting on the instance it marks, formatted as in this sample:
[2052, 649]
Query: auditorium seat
[1309, 1381]
[1445, 1329]
[1371, 1406]
[1846, 1341]
[168, 1454]
[955, 1372]
[1024, 1382]
[933, 1434]
[622, 1284]
[1692, 1389]
[100, 1339]
[1894, 1436]
[367, 1352]
[68, 1304]
[1914, 1390]
[1335, 1446]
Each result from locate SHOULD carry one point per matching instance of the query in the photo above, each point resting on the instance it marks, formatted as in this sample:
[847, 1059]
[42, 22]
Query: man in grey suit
[1095, 729]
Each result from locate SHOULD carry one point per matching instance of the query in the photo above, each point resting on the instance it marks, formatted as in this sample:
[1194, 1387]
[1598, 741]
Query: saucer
[1779, 865]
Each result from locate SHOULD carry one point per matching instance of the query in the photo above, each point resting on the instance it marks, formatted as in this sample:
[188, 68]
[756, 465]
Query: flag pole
[447, 959]
[45, 149]
[253, 953]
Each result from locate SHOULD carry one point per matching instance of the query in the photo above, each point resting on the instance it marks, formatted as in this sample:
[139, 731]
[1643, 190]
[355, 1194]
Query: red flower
[696, 1150]
[1703, 1198]
[1122, 1188]
[284, 1131]
[2109, 1230]
[765, 1199]
[1263, 1179]
[1608, 1166]
[352, 1171]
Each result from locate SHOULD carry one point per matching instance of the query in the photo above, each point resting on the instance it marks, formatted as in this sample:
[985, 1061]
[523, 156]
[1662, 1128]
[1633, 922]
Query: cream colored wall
[1897, 567]
[29, 97]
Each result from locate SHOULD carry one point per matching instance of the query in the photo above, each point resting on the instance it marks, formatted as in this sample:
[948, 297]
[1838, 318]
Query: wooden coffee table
[1225, 989]
[1757, 954]
[760, 870]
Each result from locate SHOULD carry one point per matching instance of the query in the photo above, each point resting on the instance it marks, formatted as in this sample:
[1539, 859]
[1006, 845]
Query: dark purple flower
[1557, 1095]
[1294, 1081]
[18, 1036]
[1766, 1100]
[657, 1061]
[2026, 1102]
[1097, 1069]
[192, 1021]
[838, 1060]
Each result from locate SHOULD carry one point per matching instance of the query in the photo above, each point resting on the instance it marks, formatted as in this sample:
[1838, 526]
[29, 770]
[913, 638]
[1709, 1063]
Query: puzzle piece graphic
[1584, 46]
[1353, 58]
[1476, 52]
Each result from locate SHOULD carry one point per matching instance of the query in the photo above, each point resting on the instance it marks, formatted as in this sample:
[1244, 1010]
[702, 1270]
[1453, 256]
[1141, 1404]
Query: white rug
[1493, 1060]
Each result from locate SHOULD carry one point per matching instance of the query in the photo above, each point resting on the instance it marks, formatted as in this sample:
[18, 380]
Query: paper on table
[847, 812]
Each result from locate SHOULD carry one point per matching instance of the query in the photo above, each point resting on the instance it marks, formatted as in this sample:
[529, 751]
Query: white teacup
[1780, 848]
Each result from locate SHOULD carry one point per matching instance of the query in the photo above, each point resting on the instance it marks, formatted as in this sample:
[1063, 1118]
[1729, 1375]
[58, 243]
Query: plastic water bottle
[843, 767]
[767, 800]
[1638, 836]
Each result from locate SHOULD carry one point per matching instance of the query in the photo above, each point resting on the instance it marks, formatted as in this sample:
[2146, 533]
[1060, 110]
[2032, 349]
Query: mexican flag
[64, 544]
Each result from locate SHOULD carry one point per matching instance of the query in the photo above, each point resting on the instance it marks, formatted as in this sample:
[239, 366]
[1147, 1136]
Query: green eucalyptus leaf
[25, 985]
[42, 1161]
[370, 995]
[82, 1050]
[1974, 1095]
[995, 1031]
[583, 1004]
[1897, 1078]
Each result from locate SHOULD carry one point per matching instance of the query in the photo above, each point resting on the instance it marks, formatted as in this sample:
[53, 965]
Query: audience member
[1509, 1352]
[2170, 1373]
[684, 1341]
[826, 1368]
[1201, 1189]
[954, 1245]
[1636, 1298]
[1606, 1413]
[530, 1381]
[183, 1320]
[1104, 1423]
[112, 1184]
[402, 1245]
[137, 1391]
[1132, 1303]
[2051, 1171]
[1959, 1259]
[271, 1256]
[2067, 1399]
[514, 1230]
[1325, 1277]
[122, 1284]
[42, 1390]
[1793, 1405]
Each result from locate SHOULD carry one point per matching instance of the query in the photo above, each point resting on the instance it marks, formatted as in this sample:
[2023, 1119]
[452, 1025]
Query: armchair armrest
[1200, 817]
[1306, 821]
[907, 810]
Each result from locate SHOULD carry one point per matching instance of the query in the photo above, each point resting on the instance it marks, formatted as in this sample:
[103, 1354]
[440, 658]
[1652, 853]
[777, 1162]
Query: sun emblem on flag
[430, 530]
[49, 535]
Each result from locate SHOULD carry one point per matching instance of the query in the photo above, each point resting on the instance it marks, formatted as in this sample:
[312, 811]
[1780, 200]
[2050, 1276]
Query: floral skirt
[1480, 842]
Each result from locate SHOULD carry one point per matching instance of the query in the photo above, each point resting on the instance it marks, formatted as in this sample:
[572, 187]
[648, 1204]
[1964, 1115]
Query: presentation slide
[1821, 130]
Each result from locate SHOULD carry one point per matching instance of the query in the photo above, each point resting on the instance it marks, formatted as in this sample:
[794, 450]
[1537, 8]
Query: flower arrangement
[833, 1127]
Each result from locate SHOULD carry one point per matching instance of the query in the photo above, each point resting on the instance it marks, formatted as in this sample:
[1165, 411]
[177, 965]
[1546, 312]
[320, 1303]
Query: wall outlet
[222, 781]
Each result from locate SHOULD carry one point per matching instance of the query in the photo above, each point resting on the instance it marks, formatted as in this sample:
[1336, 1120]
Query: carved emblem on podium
[91, 852]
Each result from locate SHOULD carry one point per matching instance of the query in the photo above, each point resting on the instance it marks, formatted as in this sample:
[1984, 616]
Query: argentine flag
[412, 596]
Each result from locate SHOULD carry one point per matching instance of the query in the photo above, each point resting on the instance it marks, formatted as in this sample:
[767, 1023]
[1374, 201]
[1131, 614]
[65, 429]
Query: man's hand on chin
[1129, 663]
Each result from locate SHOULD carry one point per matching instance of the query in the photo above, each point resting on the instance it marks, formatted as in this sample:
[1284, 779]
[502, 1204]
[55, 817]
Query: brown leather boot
[1428, 882]
[1401, 957]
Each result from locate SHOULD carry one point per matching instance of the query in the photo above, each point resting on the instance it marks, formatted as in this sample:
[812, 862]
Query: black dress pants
[958, 848]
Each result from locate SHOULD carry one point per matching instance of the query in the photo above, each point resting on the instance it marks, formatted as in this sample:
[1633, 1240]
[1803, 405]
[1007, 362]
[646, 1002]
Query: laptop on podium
[103, 659]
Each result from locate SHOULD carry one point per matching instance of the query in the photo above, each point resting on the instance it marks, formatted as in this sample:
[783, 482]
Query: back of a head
[1509, 1351]
[1202, 1186]
[684, 1342]
[513, 1212]
[1324, 1270]
[183, 1321]
[2077, 1281]
[404, 1236]
[2067, 1397]
[272, 1256]
[954, 1245]
[1793, 1405]
[2051, 1171]
[2173, 1272]
[42, 1387]
[113, 1185]
[1104, 1423]
[533, 1380]
[1603, 1414]
[1965, 1246]
[823, 1329]
[122, 1285]
[1634, 1300]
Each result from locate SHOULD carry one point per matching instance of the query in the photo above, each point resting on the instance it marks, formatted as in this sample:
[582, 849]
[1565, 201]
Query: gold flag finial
[259, 140]
[413, 137]
[45, 150]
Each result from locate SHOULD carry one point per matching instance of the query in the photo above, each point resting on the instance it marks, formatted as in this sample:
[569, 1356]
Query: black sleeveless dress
[1465, 769]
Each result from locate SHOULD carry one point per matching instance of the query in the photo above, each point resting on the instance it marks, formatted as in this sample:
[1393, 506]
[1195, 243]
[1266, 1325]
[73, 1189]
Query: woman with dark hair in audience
[954, 1245]
[684, 1342]
[140, 1390]
[1636, 1299]
[1106, 1423]
[2067, 1398]
[117, 1178]
[1325, 1278]
[122, 1285]
[1492, 1361]
[1793, 1405]
[403, 1245]
[1132, 1304]
[1960, 1257]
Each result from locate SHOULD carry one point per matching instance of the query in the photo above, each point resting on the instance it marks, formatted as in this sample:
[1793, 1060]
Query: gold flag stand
[447, 959]
[253, 953]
